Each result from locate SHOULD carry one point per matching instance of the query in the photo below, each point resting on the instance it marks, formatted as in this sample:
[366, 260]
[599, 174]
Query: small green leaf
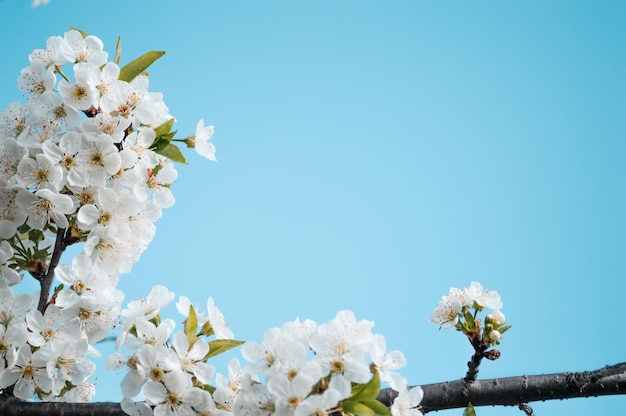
[191, 324]
[367, 391]
[207, 329]
[377, 407]
[365, 407]
[220, 346]
[139, 65]
[209, 388]
[161, 141]
[83, 34]
[504, 328]
[471, 324]
[118, 51]
[164, 128]
[172, 152]
[469, 410]
[355, 408]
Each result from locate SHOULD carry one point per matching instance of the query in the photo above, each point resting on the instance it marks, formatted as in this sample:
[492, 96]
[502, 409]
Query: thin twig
[524, 407]
[46, 282]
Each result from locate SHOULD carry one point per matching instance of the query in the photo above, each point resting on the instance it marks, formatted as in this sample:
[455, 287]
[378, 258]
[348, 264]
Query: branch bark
[509, 391]
[513, 391]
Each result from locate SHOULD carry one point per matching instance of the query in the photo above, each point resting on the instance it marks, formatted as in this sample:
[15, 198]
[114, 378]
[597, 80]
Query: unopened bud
[492, 355]
[495, 335]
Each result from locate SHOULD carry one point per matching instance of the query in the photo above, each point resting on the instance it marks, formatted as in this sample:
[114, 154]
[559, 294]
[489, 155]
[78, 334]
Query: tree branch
[509, 391]
[46, 281]
[513, 391]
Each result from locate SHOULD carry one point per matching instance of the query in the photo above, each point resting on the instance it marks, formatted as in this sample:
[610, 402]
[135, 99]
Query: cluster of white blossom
[454, 307]
[169, 368]
[85, 159]
[299, 369]
[311, 369]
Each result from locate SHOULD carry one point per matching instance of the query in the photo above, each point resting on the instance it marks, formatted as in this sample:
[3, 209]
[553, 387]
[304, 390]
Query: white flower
[158, 298]
[13, 120]
[11, 152]
[28, 374]
[12, 337]
[88, 49]
[190, 360]
[55, 52]
[227, 389]
[39, 172]
[341, 346]
[100, 158]
[407, 401]
[151, 362]
[175, 397]
[288, 392]
[8, 275]
[157, 186]
[319, 404]
[107, 251]
[202, 145]
[447, 311]
[49, 107]
[476, 293]
[44, 207]
[48, 327]
[217, 321]
[387, 362]
[81, 279]
[66, 156]
[82, 94]
[151, 110]
[67, 362]
[105, 123]
[112, 209]
[11, 215]
[36, 78]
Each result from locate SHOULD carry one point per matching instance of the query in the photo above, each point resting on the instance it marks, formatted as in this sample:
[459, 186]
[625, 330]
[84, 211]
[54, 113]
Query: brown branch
[513, 391]
[11, 406]
[509, 391]
[46, 282]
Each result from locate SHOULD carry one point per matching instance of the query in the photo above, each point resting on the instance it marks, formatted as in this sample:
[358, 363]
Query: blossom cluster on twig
[87, 158]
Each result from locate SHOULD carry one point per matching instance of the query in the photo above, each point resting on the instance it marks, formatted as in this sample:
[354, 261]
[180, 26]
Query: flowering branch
[509, 391]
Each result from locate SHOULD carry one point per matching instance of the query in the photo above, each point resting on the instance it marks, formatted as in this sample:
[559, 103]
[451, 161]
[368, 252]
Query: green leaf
[172, 152]
[191, 324]
[365, 407]
[504, 328]
[139, 65]
[207, 329]
[220, 346]
[355, 408]
[367, 391]
[209, 388]
[83, 34]
[469, 411]
[377, 407]
[162, 141]
[118, 51]
[471, 324]
[164, 128]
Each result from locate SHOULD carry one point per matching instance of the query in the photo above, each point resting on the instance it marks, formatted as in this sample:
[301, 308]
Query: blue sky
[373, 154]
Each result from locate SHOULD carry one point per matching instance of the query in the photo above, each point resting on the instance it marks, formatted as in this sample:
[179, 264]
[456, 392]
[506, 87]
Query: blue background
[373, 154]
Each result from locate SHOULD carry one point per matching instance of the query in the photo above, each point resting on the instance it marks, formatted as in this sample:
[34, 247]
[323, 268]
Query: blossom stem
[46, 282]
